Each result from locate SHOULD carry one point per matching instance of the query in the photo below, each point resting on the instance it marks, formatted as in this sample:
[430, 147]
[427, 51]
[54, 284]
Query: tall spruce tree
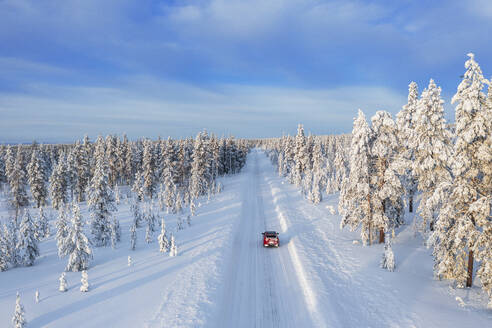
[162, 238]
[3, 175]
[42, 225]
[10, 234]
[148, 169]
[71, 174]
[386, 200]
[199, 170]
[405, 122]
[432, 152]
[318, 172]
[9, 162]
[82, 166]
[62, 230]
[112, 160]
[355, 198]
[101, 199]
[300, 156]
[4, 260]
[36, 173]
[19, 320]
[76, 245]
[27, 245]
[17, 181]
[58, 185]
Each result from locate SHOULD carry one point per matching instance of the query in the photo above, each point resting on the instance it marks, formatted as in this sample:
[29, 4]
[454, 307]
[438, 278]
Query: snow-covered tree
[82, 167]
[340, 169]
[355, 198]
[463, 231]
[115, 230]
[192, 207]
[58, 185]
[317, 173]
[307, 185]
[386, 200]
[17, 180]
[200, 177]
[71, 175]
[484, 257]
[63, 283]
[184, 162]
[148, 169]
[214, 157]
[10, 235]
[112, 159]
[128, 172]
[9, 162]
[405, 122]
[170, 187]
[84, 280]
[3, 175]
[62, 230]
[133, 236]
[148, 235]
[42, 225]
[388, 260]
[117, 194]
[432, 152]
[150, 217]
[36, 173]
[173, 250]
[178, 205]
[27, 244]
[76, 244]
[4, 260]
[19, 320]
[137, 213]
[101, 199]
[300, 156]
[138, 186]
[315, 195]
[120, 159]
[281, 164]
[180, 223]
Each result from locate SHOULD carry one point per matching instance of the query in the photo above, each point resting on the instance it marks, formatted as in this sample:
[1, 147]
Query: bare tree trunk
[410, 204]
[370, 220]
[381, 230]
[370, 234]
[469, 279]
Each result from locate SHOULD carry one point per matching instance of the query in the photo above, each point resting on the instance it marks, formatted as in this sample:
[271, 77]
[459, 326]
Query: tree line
[172, 173]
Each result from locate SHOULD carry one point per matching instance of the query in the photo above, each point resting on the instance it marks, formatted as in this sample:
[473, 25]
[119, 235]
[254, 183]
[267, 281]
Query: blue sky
[249, 68]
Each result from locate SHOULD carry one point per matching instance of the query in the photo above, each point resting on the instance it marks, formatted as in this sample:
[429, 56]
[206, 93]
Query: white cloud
[18, 65]
[145, 105]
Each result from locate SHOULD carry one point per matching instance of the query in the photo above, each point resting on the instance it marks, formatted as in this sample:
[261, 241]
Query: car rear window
[271, 235]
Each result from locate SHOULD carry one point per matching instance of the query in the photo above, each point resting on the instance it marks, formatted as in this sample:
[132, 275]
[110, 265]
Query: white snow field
[223, 276]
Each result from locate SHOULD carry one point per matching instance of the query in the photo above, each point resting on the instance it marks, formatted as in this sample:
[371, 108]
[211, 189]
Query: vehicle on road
[270, 238]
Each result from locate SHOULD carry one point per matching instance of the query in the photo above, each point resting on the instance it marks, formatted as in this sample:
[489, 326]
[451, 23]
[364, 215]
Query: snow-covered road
[261, 288]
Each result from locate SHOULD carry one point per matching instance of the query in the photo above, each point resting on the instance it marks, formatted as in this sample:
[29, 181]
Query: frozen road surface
[262, 285]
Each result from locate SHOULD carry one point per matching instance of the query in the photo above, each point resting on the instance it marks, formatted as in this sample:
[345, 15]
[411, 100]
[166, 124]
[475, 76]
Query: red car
[270, 238]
